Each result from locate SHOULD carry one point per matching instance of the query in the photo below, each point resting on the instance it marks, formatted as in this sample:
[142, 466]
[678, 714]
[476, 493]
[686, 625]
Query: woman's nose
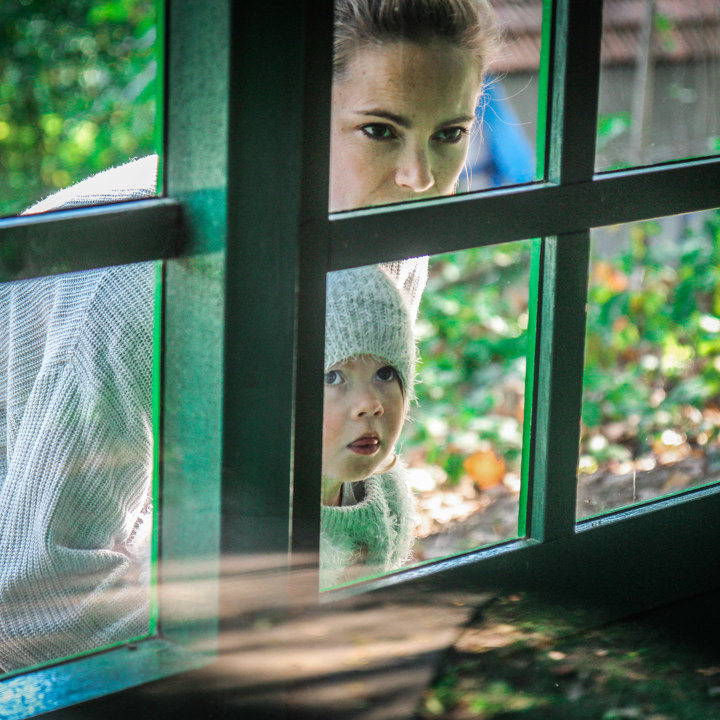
[367, 403]
[414, 170]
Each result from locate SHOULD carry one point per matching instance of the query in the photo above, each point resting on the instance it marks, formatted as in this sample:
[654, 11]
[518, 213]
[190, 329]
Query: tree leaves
[77, 92]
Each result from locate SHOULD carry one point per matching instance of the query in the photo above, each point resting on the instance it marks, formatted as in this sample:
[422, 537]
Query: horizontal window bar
[651, 506]
[616, 567]
[372, 235]
[86, 238]
[93, 676]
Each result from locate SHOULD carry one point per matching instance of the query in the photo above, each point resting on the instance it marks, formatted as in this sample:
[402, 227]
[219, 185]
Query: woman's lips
[365, 445]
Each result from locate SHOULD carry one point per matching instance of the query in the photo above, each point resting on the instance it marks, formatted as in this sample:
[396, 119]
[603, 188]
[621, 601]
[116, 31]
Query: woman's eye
[451, 135]
[333, 378]
[386, 374]
[378, 131]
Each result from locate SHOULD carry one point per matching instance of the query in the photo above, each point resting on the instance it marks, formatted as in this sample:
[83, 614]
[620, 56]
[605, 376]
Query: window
[246, 240]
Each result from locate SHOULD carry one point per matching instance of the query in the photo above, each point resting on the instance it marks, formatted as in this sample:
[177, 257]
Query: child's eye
[387, 373]
[333, 378]
[451, 134]
[378, 131]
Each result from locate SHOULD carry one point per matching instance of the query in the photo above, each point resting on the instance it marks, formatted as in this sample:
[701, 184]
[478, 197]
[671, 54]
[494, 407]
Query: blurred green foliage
[652, 357]
[472, 340]
[77, 92]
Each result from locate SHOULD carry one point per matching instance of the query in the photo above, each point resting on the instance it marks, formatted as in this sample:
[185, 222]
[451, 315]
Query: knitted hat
[371, 311]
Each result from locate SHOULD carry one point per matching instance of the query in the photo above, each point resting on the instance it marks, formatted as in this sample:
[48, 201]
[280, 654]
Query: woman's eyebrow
[407, 124]
[459, 120]
[397, 119]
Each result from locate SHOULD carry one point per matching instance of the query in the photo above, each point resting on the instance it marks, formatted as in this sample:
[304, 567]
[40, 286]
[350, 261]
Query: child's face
[363, 414]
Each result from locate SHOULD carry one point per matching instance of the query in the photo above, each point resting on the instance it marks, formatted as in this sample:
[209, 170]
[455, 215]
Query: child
[367, 514]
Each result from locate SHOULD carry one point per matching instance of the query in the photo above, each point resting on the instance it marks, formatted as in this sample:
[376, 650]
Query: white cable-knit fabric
[76, 447]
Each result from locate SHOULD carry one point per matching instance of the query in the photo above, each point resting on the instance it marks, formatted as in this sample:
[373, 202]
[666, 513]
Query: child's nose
[368, 404]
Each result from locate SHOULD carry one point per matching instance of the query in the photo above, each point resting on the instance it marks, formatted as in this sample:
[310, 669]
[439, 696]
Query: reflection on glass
[77, 93]
[463, 443]
[451, 481]
[76, 464]
[409, 96]
[660, 82]
[651, 417]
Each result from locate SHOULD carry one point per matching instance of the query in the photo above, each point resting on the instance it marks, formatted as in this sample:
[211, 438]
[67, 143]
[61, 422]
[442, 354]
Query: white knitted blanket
[76, 448]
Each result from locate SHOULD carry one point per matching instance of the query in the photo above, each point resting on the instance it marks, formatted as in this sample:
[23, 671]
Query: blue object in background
[500, 152]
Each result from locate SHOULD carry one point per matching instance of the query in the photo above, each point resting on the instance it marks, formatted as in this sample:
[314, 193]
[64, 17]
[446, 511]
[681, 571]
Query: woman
[407, 76]
[407, 80]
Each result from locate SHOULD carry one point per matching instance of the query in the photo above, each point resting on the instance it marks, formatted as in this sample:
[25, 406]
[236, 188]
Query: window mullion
[495, 216]
[577, 36]
[576, 41]
[195, 174]
[313, 239]
[559, 360]
[265, 277]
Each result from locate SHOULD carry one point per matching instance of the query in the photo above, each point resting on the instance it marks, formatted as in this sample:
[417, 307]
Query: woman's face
[401, 118]
[363, 414]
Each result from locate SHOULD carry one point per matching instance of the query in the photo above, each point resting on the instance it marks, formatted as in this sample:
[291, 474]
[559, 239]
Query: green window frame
[245, 235]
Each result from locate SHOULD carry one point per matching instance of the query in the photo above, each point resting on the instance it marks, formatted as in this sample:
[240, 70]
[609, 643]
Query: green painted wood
[313, 237]
[193, 321]
[72, 240]
[528, 451]
[264, 166]
[558, 397]
[574, 89]
[503, 215]
[622, 563]
[157, 417]
[545, 78]
[27, 695]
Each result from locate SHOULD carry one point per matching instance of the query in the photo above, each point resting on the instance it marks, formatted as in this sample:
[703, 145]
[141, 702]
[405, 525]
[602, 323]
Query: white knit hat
[371, 310]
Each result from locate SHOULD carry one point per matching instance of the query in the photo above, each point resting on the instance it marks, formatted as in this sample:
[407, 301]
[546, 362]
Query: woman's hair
[469, 24]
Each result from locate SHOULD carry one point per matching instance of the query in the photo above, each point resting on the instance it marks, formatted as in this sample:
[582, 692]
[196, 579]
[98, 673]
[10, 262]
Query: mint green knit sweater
[372, 536]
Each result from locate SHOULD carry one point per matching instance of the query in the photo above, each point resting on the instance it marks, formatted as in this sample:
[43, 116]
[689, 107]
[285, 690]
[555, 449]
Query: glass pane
[420, 111]
[76, 462]
[660, 82]
[464, 439]
[503, 149]
[452, 478]
[651, 417]
[77, 93]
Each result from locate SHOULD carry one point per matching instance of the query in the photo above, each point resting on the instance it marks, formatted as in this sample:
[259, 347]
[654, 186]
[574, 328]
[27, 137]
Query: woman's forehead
[410, 74]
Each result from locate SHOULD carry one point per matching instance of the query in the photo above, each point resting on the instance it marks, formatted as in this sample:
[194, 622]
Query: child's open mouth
[365, 445]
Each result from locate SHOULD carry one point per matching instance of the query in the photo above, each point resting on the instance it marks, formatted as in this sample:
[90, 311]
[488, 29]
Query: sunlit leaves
[473, 343]
[651, 357]
[77, 92]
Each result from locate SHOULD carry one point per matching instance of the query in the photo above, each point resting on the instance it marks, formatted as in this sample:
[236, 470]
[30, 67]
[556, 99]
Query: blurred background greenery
[78, 85]
[652, 356]
[473, 348]
[651, 391]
